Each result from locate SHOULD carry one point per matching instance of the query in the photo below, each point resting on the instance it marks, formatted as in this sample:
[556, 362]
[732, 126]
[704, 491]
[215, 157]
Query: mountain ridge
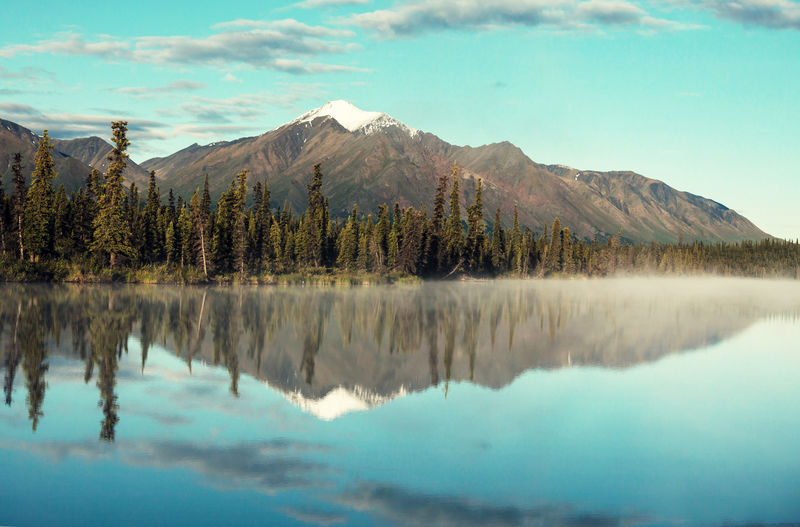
[374, 159]
[74, 158]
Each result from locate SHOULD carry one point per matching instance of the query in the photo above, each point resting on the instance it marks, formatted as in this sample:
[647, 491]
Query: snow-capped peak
[354, 119]
[339, 401]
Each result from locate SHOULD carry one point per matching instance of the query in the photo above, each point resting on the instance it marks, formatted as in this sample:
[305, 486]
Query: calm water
[600, 403]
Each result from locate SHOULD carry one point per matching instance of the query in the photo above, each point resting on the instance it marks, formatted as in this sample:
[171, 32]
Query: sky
[702, 94]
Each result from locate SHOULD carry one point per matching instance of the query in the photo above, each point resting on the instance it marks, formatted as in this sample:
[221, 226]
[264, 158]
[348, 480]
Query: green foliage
[112, 235]
[453, 236]
[38, 210]
[46, 235]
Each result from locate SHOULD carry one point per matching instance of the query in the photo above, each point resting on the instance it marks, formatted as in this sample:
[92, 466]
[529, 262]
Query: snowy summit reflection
[333, 351]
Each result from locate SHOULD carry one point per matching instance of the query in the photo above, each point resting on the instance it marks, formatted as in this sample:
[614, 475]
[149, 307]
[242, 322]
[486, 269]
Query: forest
[107, 231]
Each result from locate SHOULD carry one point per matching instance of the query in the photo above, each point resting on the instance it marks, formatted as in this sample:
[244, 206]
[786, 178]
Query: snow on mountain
[338, 401]
[354, 119]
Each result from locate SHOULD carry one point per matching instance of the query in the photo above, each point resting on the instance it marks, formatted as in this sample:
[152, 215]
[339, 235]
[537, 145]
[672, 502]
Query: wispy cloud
[405, 507]
[146, 92]
[419, 17]
[70, 125]
[283, 45]
[268, 466]
[316, 4]
[27, 73]
[775, 14]
[244, 108]
[230, 77]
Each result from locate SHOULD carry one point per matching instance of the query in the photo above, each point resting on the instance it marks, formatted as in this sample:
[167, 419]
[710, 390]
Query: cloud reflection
[407, 507]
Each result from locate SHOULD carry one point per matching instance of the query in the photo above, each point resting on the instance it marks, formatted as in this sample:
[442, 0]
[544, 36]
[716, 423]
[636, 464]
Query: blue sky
[702, 94]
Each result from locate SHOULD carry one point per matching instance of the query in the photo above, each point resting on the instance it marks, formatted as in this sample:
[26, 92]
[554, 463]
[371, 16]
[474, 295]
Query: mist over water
[584, 402]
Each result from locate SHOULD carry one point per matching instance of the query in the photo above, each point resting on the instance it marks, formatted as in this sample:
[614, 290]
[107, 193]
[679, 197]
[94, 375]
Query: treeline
[105, 225]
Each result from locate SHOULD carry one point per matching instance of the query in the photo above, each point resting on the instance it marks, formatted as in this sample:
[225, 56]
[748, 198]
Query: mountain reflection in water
[513, 403]
[334, 350]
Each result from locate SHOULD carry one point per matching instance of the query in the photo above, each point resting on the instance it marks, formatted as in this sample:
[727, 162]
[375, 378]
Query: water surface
[611, 402]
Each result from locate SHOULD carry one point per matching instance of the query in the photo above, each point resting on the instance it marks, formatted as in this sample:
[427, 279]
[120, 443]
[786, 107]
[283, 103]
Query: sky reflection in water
[512, 403]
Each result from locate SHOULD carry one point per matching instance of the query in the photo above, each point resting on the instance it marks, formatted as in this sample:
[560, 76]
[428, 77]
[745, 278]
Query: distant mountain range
[74, 158]
[370, 158]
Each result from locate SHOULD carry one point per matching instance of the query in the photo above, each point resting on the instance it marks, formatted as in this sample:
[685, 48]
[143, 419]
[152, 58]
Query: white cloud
[316, 4]
[432, 15]
[146, 92]
[775, 14]
[230, 77]
[283, 45]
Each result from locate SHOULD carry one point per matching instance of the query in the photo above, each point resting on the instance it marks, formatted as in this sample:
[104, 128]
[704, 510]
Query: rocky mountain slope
[369, 158]
[74, 158]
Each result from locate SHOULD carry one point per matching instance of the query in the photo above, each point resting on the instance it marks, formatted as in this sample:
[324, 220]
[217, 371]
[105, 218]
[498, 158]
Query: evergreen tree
[435, 249]
[169, 242]
[498, 245]
[200, 229]
[276, 243]
[187, 240]
[265, 224]
[111, 231]
[410, 255]
[515, 247]
[475, 231]
[554, 255]
[453, 238]
[364, 259]
[567, 265]
[62, 224]
[18, 199]
[348, 243]
[313, 231]
[136, 221]
[381, 239]
[152, 240]
[222, 238]
[239, 227]
[3, 218]
[38, 221]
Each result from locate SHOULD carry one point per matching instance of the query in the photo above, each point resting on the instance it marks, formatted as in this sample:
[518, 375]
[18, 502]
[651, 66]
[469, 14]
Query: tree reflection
[368, 340]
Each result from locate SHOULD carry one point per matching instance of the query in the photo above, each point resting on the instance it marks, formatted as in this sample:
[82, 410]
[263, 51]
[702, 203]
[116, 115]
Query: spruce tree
[152, 243]
[136, 222]
[238, 225]
[475, 231]
[200, 230]
[62, 224]
[18, 202]
[435, 250]
[498, 246]
[381, 238]
[313, 231]
[265, 224]
[276, 242]
[186, 237]
[554, 262]
[111, 231]
[38, 221]
[348, 243]
[453, 237]
[515, 246]
[222, 238]
[3, 218]
[169, 242]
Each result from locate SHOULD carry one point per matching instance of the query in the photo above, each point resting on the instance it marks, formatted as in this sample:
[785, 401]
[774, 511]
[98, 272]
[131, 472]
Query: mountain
[74, 158]
[370, 158]
[332, 351]
[94, 152]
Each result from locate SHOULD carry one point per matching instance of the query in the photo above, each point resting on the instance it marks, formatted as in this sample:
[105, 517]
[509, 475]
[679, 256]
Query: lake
[499, 403]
